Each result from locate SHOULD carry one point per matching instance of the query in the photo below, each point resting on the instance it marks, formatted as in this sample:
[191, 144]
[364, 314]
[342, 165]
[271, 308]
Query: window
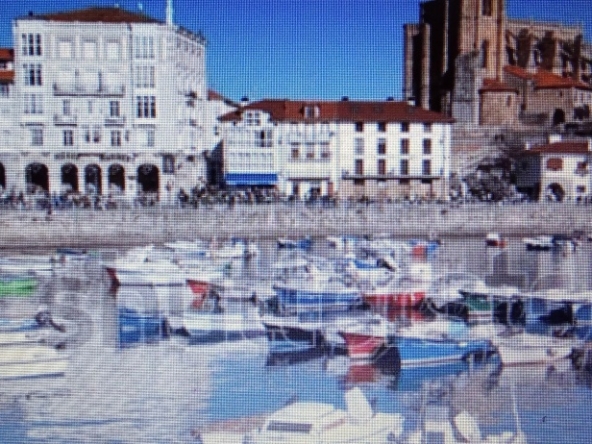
[487, 8]
[359, 146]
[37, 136]
[484, 53]
[67, 108]
[426, 167]
[427, 147]
[404, 167]
[68, 138]
[311, 111]
[381, 167]
[325, 150]
[97, 134]
[116, 138]
[359, 167]
[32, 74]
[150, 137]
[168, 164]
[4, 90]
[404, 147]
[145, 76]
[252, 118]
[90, 106]
[381, 147]
[580, 189]
[555, 164]
[263, 139]
[427, 127]
[310, 151]
[381, 126]
[31, 44]
[359, 127]
[86, 131]
[146, 107]
[114, 108]
[295, 150]
[33, 104]
[144, 47]
[405, 127]
[509, 101]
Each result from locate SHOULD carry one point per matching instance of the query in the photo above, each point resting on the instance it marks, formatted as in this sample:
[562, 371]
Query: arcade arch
[36, 177]
[70, 177]
[148, 178]
[92, 179]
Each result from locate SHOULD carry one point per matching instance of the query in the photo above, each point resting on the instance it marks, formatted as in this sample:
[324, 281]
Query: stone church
[467, 59]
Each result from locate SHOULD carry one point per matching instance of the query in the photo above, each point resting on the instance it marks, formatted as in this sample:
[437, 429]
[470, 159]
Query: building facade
[558, 170]
[463, 55]
[105, 101]
[347, 148]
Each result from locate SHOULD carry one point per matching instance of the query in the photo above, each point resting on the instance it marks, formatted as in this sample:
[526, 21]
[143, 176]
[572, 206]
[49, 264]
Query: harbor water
[170, 388]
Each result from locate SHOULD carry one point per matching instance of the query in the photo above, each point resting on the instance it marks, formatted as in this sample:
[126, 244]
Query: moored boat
[526, 348]
[23, 285]
[31, 361]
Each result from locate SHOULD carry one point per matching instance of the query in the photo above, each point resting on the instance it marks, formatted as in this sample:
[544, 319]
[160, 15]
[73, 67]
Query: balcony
[85, 90]
[115, 121]
[60, 119]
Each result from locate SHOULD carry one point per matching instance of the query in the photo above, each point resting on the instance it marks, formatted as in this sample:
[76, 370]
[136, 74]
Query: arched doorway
[148, 178]
[558, 117]
[70, 178]
[92, 179]
[116, 178]
[2, 178]
[555, 192]
[36, 178]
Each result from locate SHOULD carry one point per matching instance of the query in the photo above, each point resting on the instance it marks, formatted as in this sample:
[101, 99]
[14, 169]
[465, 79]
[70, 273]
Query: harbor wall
[113, 228]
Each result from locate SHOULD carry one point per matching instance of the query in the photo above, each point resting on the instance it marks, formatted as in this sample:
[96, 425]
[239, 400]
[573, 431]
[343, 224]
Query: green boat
[19, 286]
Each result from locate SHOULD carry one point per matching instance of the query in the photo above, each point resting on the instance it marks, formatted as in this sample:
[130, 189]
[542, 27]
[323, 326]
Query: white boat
[31, 361]
[136, 269]
[463, 428]
[526, 348]
[21, 337]
[320, 423]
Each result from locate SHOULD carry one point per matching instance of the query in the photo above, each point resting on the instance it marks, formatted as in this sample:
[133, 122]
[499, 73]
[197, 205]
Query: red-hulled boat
[363, 339]
[200, 290]
[393, 298]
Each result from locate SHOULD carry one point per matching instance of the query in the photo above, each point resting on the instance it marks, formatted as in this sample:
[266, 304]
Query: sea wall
[112, 228]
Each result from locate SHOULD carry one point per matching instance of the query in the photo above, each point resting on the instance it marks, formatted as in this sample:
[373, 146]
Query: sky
[300, 49]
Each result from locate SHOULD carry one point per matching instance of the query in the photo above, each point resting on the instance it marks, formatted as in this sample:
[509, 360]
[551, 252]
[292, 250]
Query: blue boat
[316, 296]
[438, 342]
[136, 327]
[301, 244]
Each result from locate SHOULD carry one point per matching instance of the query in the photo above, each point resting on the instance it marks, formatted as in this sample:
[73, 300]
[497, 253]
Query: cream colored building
[106, 101]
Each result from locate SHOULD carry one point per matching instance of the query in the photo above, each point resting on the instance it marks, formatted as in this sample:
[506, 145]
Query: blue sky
[297, 49]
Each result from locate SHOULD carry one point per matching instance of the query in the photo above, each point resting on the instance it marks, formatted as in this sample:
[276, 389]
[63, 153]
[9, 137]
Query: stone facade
[460, 44]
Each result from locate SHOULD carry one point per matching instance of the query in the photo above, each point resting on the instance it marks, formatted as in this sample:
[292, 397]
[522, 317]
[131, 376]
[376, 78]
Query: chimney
[390, 99]
[244, 101]
[527, 146]
[345, 99]
[169, 12]
[554, 138]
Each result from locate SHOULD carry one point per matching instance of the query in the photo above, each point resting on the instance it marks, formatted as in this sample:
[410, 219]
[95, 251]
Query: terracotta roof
[95, 14]
[494, 85]
[341, 111]
[545, 79]
[561, 148]
[7, 54]
[6, 76]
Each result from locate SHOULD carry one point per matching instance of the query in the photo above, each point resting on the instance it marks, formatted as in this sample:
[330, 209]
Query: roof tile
[94, 14]
[341, 111]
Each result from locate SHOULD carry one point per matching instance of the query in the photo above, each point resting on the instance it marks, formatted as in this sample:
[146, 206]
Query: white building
[375, 149]
[558, 170]
[6, 107]
[106, 101]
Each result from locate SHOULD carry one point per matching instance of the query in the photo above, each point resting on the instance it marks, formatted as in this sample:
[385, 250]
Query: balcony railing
[115, 120]
[85, 90]
[60, 119]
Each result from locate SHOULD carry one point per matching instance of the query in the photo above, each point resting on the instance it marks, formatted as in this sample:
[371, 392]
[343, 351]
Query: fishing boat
[526, 348]
[35, 265]
[31, 361]
[438, 427]
[307, 422]
[145, 273]
[373, 271]
[216, 319]
[295, 244]
[315, 295]
[495, 240]
[294, 333]
[22, 285]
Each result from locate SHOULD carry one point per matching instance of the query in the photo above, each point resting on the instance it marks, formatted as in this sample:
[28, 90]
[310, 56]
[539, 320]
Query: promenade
[88, 228]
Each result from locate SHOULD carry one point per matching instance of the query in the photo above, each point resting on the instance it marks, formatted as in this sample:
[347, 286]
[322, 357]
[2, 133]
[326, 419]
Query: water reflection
[160, 387]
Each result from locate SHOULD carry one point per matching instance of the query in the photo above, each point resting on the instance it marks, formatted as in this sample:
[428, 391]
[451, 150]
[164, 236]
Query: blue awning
[250, 179]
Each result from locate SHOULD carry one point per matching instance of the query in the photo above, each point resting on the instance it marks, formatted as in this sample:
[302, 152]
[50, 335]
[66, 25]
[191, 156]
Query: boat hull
[381, 300]
[362, 345]
[283, 336]
[420, 351]
[31, 361]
